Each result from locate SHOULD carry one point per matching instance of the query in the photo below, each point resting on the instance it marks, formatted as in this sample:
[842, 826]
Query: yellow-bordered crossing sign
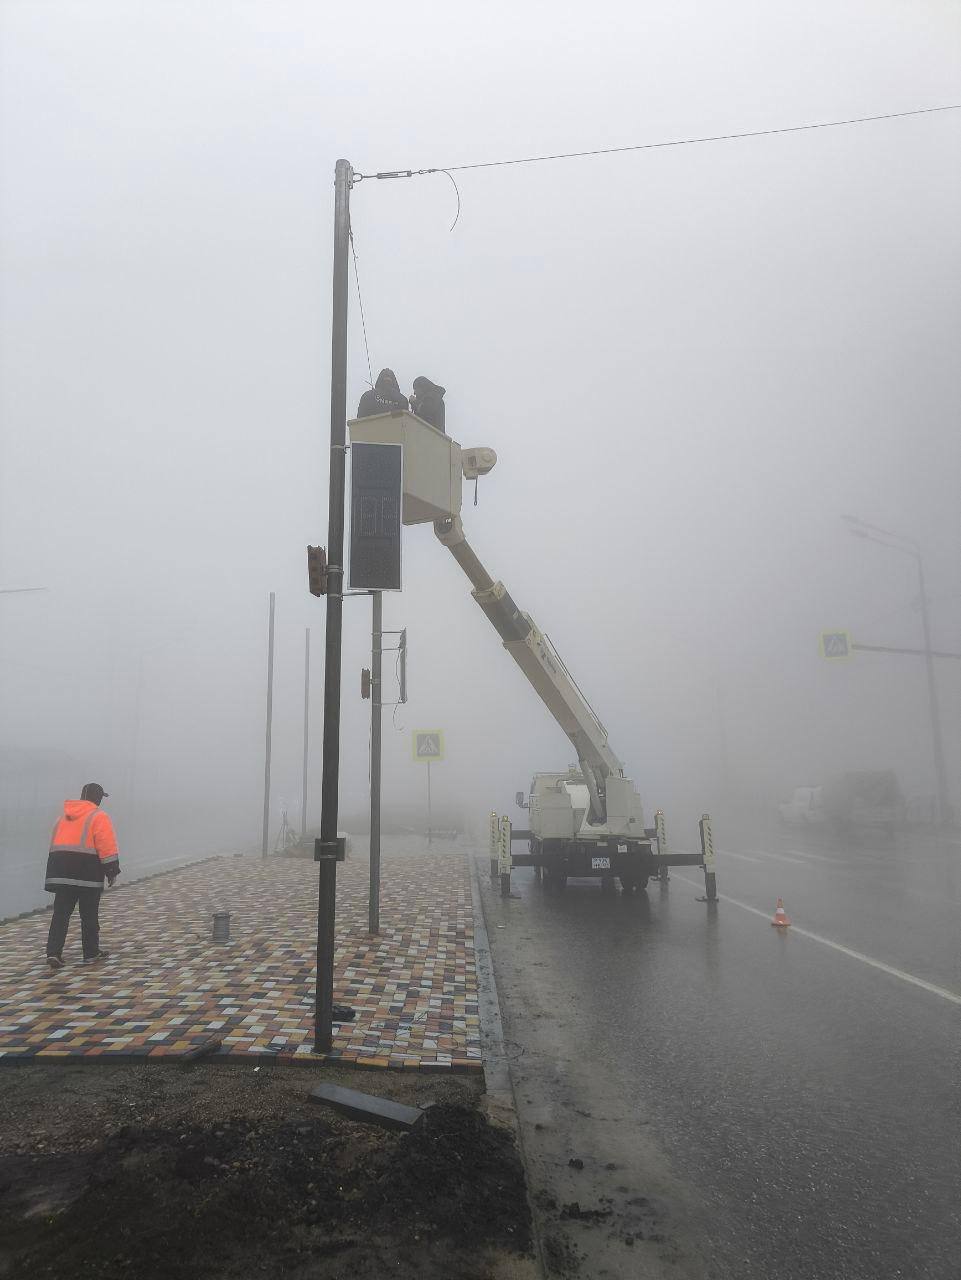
[427, 744]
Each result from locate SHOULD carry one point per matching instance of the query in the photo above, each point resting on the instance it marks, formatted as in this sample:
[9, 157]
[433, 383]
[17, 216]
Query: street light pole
[897, 542]
[326, 849]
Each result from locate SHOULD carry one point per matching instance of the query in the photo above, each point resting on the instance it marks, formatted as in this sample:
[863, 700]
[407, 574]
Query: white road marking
[952, 996]
[765, 855]
[819, 857]
[729, 853]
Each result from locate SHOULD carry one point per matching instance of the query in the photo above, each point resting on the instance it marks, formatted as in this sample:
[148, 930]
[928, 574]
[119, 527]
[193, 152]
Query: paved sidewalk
[167, 990]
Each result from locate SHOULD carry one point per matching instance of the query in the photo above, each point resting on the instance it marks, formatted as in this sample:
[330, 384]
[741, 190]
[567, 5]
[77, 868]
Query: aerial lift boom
[587, 820]
[544, 668]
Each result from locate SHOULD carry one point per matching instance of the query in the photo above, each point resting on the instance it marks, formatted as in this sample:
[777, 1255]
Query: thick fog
[691, 363]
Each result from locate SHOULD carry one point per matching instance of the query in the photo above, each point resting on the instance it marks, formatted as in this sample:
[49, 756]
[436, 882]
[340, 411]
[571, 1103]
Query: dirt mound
[267, 1197]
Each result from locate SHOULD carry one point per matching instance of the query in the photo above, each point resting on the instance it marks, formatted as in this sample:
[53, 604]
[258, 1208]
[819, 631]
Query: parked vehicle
[868, 799]
[804, 807]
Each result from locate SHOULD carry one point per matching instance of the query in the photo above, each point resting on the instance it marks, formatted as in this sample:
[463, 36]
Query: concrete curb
[497, 1076]
[501, 1106]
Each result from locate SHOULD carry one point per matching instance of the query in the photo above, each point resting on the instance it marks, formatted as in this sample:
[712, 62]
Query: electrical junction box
[433, 475]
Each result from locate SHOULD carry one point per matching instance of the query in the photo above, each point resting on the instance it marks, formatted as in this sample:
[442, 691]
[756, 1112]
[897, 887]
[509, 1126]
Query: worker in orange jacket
[83, 852]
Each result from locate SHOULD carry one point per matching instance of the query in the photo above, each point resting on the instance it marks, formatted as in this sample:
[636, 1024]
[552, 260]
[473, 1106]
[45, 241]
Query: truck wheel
[631, 880]
[555, 878]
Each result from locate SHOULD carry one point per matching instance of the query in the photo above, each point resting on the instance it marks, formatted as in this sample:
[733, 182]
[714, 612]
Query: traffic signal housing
[317, 571]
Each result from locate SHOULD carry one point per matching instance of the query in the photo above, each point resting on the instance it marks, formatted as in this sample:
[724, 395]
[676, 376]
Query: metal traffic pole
[376, 702]
[430, 819]
[303, 807]
[328, 850]
[898, 542]
[270, 713]
[933, 711]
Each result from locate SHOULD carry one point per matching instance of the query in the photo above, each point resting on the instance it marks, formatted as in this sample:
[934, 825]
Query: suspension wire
[360, 301]
[652, 146]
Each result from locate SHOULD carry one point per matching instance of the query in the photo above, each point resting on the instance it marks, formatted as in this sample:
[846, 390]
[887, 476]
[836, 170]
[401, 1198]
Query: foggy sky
[690, 361]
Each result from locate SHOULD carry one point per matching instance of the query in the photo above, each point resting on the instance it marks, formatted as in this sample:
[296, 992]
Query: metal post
[494, 846]
[660, 828]
[326, 900]
[376, 701]
[430, 817]
[897, 542]
[936, 739]
[270, 714]
[707, 858]
[324, 995]
[504, 857]
[303, 807]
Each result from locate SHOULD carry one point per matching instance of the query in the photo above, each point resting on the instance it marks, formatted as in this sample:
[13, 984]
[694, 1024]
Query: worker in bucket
[83, 853]
[427, 403]
[384, 397]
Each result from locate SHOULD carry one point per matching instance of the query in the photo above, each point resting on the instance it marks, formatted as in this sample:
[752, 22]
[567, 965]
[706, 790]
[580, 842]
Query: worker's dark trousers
[63, 904]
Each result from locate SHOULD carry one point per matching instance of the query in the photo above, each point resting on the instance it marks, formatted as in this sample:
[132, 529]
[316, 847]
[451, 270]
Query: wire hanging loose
[457, 193]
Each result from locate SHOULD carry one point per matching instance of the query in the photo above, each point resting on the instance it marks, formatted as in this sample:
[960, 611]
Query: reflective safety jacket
[83, 848]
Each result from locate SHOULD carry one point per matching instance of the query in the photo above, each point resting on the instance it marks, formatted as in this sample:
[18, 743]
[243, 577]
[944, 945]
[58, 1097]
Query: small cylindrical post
[494, 847]
[660, 828]
[504, 857]
[707, 856]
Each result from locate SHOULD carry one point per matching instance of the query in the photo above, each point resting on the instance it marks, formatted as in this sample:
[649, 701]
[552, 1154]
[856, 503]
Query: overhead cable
[652, 146]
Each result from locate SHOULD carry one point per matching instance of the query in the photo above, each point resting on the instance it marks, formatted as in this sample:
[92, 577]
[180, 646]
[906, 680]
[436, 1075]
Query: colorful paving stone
[167, 990]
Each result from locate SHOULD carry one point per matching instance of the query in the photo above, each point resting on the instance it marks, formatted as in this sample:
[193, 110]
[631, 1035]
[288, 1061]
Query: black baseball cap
[93, 791]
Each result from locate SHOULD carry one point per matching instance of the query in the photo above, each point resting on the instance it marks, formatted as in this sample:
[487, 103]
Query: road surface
[746, 1102]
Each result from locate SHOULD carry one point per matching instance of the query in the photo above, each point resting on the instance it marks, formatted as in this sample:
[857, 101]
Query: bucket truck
[588, 820]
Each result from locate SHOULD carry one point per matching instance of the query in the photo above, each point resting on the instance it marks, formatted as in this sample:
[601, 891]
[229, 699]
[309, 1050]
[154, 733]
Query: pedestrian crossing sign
[428, 744]
[835, 644]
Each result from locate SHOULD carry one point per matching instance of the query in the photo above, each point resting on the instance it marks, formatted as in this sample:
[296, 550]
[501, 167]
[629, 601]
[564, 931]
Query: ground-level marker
[952, 996]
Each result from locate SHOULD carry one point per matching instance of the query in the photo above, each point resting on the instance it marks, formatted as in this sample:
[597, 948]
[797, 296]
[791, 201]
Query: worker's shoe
[54, 962]
[101, 955]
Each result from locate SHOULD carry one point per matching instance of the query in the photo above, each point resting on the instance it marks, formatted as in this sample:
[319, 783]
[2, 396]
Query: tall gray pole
[303, 807]
[936, 739]
[270, 713]
[376, 702]
[326, 848]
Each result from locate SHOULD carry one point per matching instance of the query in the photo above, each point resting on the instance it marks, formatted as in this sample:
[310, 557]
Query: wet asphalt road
[791, 1109]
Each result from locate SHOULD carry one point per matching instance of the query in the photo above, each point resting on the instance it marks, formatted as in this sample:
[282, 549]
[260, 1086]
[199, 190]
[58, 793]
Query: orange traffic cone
[780, 916]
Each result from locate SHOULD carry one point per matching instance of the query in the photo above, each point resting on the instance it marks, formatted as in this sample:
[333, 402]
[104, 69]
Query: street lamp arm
[862, 529]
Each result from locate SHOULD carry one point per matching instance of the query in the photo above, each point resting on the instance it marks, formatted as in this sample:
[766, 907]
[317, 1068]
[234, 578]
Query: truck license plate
[600, 864]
